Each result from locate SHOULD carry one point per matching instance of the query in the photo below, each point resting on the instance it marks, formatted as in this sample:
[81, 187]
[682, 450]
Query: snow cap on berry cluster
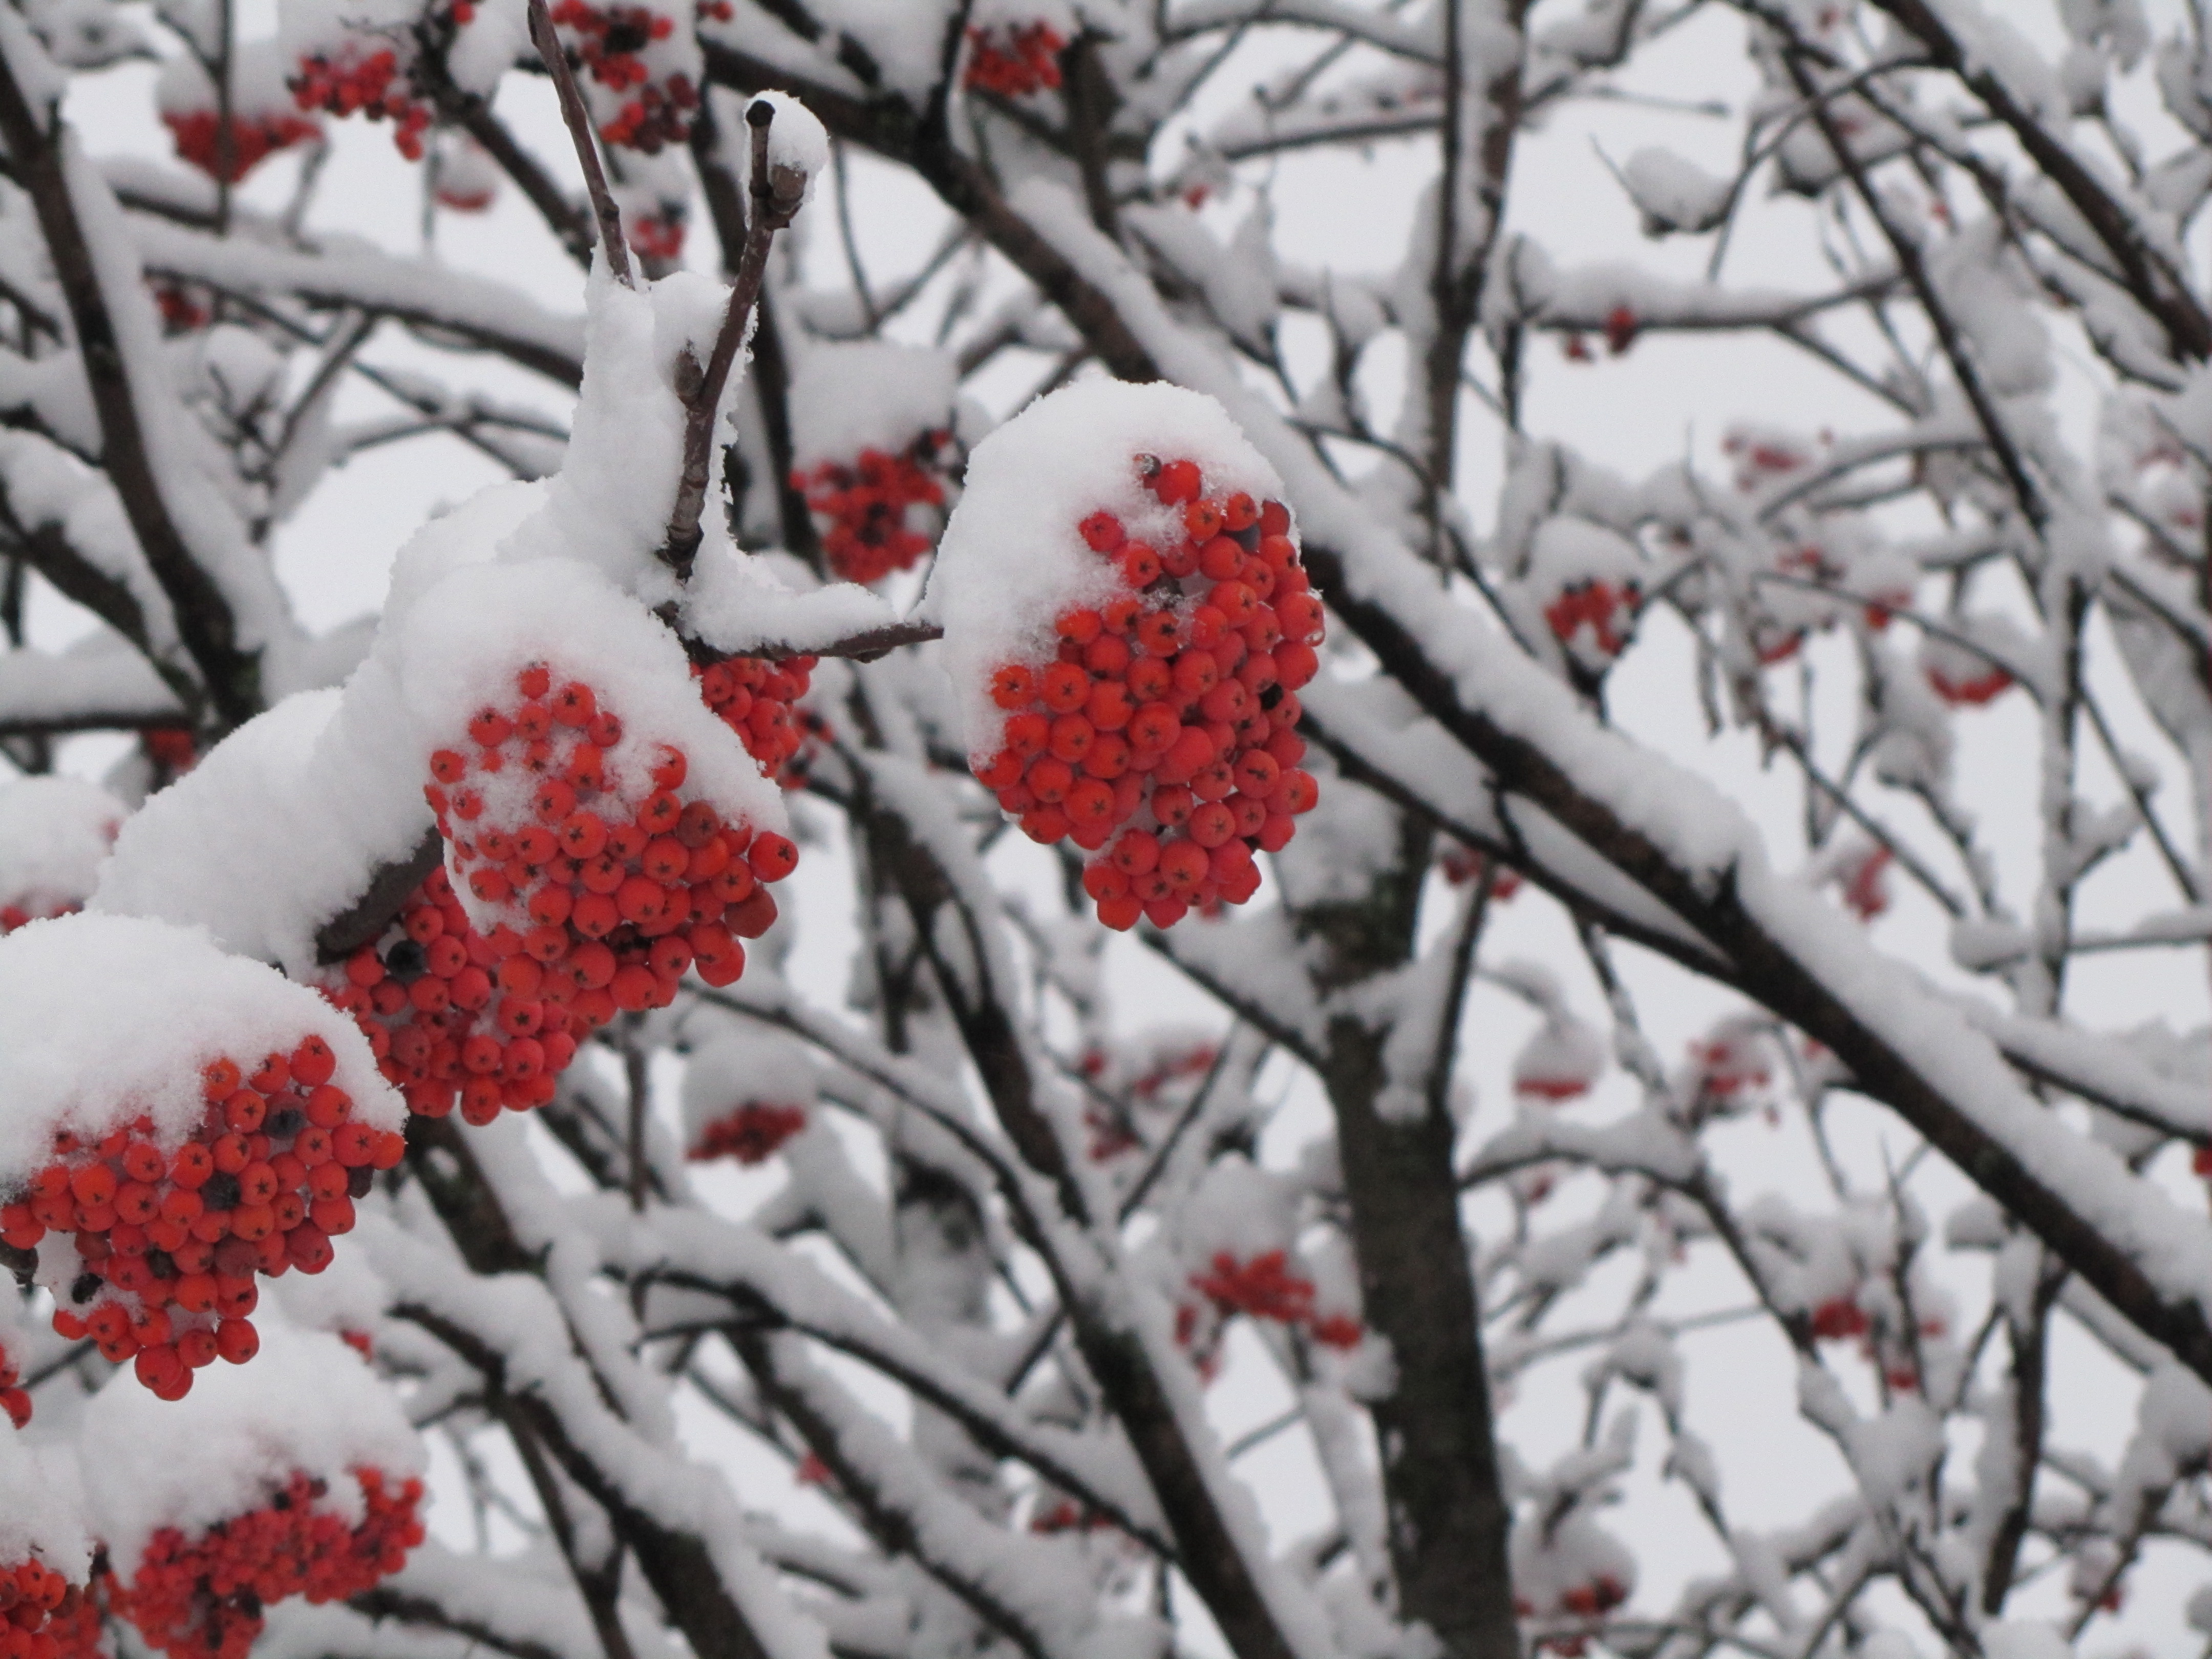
[106, 1018]
[54, 833]
[42, 1508]
[848, 395]
[1237, 1210]
[1012, 558]
[797, 142]
[257, 69]
[740, 1067]
[277, 829]
[496, 35]
[307, 1405]
[460, 647]
[306, 27]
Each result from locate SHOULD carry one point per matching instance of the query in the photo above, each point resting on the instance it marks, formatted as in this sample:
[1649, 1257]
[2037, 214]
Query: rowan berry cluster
[253, 139]
[756, 699]
[369, 84]
[658, 236]
[1171, 712]
[171, 1237]
[202, 1598]
[1264, 1287]
[1961, 677]
[14, 1399]
[611, 41]
[1592, 1599]
[1014, 60]
[1463, 866]
[443, 1028]
[1606, 612]
[749, 1134]
[867, 508]
[183, 311]
[44, 1616]
[608, 890]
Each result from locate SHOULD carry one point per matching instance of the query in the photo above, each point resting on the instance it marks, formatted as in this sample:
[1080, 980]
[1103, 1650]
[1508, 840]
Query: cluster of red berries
[1266, 1288]
[1171, 712]
[1013, 61]
[183, 311]
[608, 890]
[443, 1025]
[14, 1399]
[1839, 1319]
[203, 1598]
[1970, 688]
[1593, 1600]
[1463, 866]
[750, 1133]
[254, 140]
[1621, 328]
[868, 533]
[1607, 610]
[170, 1240]
[658, 236]
[44, 1616]
[756, 698]
[611, 42]
[370, 86]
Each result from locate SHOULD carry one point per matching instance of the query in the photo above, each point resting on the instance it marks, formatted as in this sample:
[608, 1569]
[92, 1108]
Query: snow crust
[307, 1403]
[1012, 559]
[54, 832]
[42, 1508]
[105, 1017]
[848, 395]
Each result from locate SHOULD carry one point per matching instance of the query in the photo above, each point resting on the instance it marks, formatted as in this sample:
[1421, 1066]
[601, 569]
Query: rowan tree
[1079, 919]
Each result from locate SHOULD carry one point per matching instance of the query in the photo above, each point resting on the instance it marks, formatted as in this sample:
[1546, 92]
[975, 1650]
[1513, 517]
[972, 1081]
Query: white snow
[54, 832]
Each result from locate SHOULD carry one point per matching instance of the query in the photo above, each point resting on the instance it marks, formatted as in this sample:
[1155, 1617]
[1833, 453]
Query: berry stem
[774, 199]
[579, 122]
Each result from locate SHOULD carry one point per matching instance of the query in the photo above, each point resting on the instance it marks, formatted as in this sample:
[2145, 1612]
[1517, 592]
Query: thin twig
[776, 195]
[579, 120]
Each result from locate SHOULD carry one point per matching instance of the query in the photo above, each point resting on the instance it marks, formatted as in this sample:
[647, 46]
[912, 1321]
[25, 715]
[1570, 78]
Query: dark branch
[579, 120]
[231, 678]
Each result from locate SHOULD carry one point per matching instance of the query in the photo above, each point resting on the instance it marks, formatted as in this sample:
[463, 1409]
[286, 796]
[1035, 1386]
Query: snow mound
[54, 834]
